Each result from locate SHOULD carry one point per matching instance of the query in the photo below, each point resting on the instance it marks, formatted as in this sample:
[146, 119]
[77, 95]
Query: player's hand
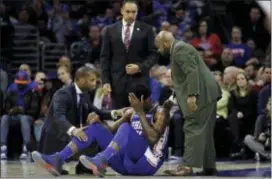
[138, 105]
[128, 113]
[120, 112]
[191, 102]
[93, 118]
[132, 69]
[80, 134]
[106, 89]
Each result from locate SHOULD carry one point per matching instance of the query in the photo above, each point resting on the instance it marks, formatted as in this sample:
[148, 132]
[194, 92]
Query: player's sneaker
[52, 163]
[96, 164]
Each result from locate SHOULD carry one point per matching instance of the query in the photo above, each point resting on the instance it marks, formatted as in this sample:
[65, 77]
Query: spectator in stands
[210, 42]
[188, 35]
[242, 111]
[183, 18]
[175, 31]
[110, 15]
[21, 105]
[95, 41]
[23, 18]
[26, 67]
[229, 78]
[101, 20]
[59, 21]
[37, 14]
[3, 80]
[265, 93]
[40, 78]
[256, 82]
[161, 7]
[64, 75]
[240, 51]
[165, 25]
[83, 25]
[251, 44]
[220, 133]
[226, 59]
[255, 29]
[261, 141]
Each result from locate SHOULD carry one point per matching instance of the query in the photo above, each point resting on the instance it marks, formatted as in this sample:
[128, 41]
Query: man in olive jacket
[197, 93]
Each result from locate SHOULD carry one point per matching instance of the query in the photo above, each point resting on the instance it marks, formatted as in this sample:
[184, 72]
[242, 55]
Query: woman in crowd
[64, 74]
[211, 43]
[242, 111]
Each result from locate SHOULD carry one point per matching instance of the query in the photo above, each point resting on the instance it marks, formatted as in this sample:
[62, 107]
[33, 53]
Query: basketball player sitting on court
[137, 148]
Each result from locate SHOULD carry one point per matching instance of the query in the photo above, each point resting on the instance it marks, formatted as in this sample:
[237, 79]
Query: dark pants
[176, 137]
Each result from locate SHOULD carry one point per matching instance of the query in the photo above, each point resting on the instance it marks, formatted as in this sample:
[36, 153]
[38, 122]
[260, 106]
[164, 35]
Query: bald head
[164, 41]
[165, 35]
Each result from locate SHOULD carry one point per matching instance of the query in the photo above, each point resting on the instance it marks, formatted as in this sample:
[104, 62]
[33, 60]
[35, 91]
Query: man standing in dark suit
[68, 111]
[127, 54]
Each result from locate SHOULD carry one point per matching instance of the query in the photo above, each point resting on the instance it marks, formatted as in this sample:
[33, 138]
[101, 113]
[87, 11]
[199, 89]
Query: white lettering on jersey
[155, 155]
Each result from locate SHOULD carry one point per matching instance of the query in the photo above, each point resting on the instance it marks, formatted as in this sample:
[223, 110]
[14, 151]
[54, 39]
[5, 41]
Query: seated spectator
[26, 67]
[220, 133]
[40, 78]
[242, 111]
[240, 51]
[260, 143]
[226, 59]
[255, 80]
[265, 93]
[21, 106]
[229, 78]
[64, 75]
[210, 42]
[176, 123]
[95, 42]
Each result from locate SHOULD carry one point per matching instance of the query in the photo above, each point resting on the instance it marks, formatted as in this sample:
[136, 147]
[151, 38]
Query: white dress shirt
[124, 28]
[114, 115]
[78, 92]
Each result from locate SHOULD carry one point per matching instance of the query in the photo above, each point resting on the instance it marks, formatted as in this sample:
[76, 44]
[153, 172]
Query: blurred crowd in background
[233, 37]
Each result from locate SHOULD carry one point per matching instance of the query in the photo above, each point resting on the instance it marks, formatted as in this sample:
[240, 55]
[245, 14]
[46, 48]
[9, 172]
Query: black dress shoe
[64, 172]
[207, 172]
[81, 170]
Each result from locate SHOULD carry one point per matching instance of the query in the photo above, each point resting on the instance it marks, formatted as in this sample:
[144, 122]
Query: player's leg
[53, 163]
[143, 167]
[126, 141]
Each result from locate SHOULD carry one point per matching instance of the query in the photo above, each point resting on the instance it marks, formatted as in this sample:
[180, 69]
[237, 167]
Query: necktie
[80, 109]
[127, 36]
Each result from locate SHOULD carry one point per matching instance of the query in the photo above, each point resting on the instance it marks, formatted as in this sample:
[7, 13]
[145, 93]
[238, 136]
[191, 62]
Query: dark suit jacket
[115, 57]
[63, 114]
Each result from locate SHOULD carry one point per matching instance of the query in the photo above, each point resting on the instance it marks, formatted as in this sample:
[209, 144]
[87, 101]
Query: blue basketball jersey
[155, 154]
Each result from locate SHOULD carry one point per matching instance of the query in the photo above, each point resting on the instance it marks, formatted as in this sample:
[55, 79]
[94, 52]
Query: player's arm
[126, 118]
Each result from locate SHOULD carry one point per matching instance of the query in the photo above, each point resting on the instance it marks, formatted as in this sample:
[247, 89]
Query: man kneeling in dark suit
[68, 112]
